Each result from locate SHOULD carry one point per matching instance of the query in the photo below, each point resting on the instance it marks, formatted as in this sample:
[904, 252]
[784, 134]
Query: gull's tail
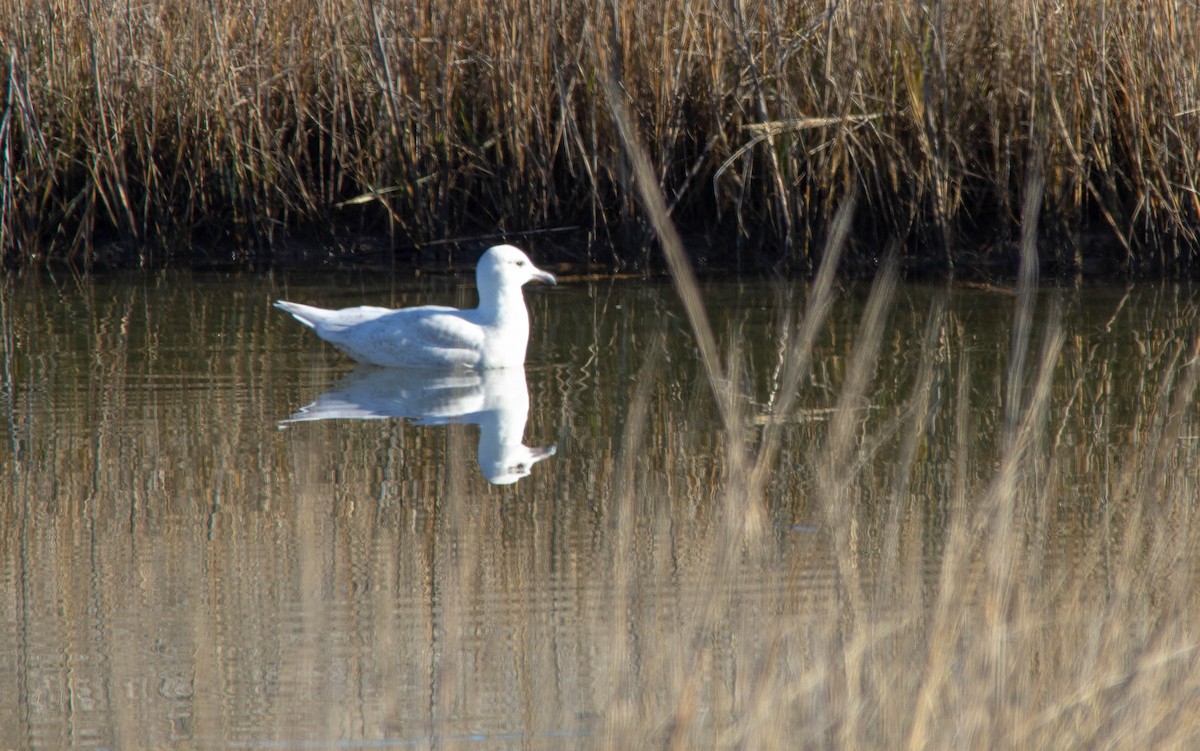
[306, 314]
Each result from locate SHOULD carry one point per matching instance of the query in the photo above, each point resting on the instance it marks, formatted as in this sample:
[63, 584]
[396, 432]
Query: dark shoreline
[1094, 255]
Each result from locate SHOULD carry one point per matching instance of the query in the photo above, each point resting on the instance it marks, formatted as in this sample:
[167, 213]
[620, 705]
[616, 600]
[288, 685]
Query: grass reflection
[925, 557]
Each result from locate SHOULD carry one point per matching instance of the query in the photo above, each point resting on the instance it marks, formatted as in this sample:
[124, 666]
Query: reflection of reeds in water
[913, 561]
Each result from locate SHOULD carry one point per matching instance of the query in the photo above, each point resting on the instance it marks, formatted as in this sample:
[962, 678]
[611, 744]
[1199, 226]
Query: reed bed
[975, 644]
[942, 539]
[165, 131]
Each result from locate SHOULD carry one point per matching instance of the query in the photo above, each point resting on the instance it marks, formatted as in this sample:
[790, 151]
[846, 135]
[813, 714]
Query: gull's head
[505, 265]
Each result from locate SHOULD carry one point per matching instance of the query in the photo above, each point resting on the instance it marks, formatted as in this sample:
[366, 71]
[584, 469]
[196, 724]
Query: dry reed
[145, 133]
[989, 655]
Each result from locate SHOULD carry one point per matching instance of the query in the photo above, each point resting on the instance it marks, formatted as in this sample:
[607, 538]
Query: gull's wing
[325, 321]
[426, 337]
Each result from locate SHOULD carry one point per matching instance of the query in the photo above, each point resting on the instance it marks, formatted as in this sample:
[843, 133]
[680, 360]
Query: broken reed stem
[673, 251]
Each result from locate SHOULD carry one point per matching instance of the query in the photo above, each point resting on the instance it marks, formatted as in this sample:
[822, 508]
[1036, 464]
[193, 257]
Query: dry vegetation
[971, 555]
[1045, 609]
[144, 130]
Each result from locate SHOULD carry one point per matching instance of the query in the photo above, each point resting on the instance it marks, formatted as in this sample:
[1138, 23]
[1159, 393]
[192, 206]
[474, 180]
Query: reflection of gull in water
[495, 400]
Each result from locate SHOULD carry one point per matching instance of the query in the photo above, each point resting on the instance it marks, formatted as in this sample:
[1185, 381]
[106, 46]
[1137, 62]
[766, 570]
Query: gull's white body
[492, 335]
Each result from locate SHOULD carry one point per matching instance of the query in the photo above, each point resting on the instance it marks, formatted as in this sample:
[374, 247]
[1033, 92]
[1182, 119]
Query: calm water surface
[216, 532]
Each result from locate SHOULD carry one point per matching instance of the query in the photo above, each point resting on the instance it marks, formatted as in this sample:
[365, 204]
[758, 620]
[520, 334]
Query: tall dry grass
[998, 560]
[971, 645]
[143, 132]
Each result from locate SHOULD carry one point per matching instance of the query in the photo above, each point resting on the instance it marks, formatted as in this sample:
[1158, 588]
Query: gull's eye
[520, 263]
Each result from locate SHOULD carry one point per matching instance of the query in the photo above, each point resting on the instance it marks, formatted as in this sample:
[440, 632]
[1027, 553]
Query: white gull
[492, 335]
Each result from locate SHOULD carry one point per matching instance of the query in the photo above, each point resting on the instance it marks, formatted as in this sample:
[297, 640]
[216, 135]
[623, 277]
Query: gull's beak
[545, 277]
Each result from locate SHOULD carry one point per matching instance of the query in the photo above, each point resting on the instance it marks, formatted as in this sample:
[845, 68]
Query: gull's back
[431, 336]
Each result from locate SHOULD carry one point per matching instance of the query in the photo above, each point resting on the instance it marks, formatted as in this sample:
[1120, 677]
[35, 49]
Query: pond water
[215, 531]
